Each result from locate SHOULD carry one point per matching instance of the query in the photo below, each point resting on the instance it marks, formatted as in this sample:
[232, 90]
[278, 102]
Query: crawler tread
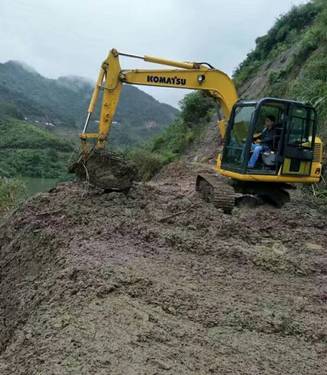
[215, 190]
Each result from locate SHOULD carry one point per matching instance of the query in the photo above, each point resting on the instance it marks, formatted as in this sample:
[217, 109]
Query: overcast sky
[72, 37]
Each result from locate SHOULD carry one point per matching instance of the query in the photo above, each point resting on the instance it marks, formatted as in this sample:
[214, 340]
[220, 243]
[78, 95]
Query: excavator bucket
[104, 170]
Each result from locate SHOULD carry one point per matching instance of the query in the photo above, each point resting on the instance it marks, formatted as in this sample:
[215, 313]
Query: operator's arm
[257, 137]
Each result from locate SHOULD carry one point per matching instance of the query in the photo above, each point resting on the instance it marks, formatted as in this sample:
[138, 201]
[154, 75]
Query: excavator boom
[194, 76]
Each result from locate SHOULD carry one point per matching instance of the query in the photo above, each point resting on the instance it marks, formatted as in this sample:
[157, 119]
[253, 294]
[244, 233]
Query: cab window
[301, 127]
[238, 135]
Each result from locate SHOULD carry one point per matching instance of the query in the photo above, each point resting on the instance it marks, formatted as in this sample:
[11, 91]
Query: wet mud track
[157, 281]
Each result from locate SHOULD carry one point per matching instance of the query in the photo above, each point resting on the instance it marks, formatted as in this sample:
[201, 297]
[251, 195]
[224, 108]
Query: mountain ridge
[290, 61]
[64, 102]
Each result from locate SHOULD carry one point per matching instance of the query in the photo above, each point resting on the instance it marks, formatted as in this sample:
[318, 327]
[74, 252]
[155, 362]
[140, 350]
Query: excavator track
[214, 189]
[275, 196]
[264, 193]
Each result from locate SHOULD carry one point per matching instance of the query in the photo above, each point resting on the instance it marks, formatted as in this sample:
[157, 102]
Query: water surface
[38, 185]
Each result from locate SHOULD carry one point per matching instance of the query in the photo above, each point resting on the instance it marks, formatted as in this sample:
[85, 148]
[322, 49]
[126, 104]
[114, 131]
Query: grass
[27, 150]
[10, 191]
[303, 33]
[196, 112]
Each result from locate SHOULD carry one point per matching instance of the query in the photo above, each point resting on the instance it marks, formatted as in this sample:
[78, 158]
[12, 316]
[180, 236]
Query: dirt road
[159, 282]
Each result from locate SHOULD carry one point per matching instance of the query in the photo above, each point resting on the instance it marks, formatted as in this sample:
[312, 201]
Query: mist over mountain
[63, 102]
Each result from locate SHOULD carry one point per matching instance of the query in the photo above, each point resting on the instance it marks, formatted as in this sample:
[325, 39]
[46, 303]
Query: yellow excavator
[293, 156]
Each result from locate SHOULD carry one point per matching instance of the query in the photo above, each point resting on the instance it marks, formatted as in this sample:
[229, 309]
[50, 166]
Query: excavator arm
[194, 76]
[109, 172]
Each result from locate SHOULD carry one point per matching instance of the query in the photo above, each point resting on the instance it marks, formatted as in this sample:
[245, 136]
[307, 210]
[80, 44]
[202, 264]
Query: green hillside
[63, 102]
[290, 61]
[184, 133]
[27, 150]
[40, 119]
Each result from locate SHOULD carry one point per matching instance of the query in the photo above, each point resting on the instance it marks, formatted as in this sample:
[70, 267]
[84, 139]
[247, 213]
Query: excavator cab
[290, 151]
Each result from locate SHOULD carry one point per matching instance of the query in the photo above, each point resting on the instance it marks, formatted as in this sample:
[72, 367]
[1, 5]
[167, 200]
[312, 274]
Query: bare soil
[157, 281]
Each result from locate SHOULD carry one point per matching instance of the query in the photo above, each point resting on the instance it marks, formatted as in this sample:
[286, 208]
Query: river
[36, 185]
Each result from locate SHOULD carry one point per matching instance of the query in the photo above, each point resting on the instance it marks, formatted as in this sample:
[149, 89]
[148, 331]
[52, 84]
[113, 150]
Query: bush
[196, 108]
[172, 143]
[282, 35]
[147, 163]
[10, 191]
[174, 139]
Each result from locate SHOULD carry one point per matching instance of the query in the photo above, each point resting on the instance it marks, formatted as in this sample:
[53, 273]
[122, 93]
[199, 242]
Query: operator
[263, 142]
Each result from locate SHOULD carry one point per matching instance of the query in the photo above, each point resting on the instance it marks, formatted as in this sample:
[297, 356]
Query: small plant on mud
[10, 191]
[317, 194]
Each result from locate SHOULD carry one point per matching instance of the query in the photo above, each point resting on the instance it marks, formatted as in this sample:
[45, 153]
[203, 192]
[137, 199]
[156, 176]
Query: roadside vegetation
[11, 190]
[28, 150]
[285, 32]
[196, 112]
[302, 32]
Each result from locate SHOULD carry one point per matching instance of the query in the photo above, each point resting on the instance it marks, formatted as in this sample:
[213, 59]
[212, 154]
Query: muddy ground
[159, 282]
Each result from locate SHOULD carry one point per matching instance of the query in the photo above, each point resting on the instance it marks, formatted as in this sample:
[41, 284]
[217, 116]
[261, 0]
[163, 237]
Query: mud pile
[107, 171]
[156, 281]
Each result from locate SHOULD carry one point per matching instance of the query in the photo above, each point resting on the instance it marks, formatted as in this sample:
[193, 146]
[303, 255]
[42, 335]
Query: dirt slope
[159, 282]
[206, 147]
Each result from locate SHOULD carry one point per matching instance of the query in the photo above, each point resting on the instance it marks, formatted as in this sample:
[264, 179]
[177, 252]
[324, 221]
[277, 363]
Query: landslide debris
[107, 171]
[156, 281]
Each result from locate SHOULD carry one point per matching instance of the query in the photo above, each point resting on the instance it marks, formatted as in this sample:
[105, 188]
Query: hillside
[40, 119]
[28, 150]
[63, 103]
[193, 136]
[290, 61]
